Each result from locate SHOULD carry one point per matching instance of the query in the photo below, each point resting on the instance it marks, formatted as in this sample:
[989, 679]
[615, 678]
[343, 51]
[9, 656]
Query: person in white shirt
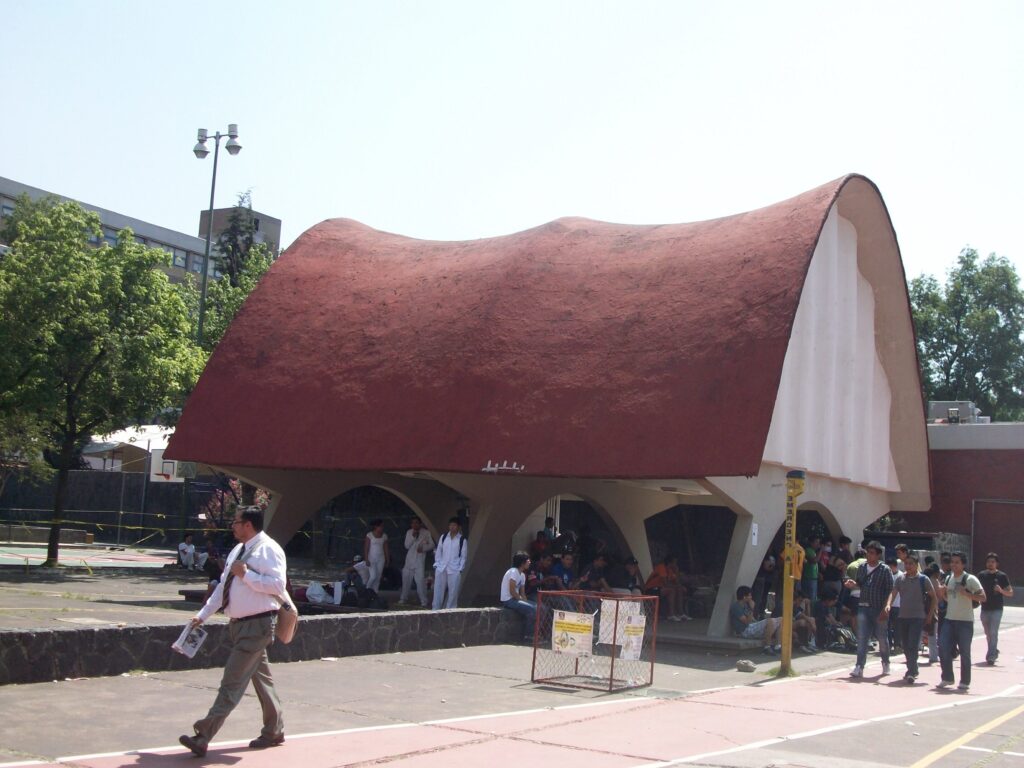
[255, 575]
[513, 592]
[187, 553]
[376, 554]
[418, 542]
[449, 560]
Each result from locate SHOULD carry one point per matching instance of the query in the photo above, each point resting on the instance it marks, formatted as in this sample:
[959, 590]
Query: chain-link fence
[603, 642]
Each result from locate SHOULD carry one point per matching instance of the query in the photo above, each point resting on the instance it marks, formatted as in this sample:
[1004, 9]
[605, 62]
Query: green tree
[237, 244]
[969, 334]
[95, 338]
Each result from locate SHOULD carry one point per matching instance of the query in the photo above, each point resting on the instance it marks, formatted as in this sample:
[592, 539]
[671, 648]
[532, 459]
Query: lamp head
[233, 147]
[200, 149]
[233, 130]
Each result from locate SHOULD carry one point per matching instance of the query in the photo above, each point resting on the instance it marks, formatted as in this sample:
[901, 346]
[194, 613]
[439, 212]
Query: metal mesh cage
[603, 642]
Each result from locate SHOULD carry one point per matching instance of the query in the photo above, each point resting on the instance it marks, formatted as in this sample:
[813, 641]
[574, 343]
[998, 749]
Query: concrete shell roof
[579, 348]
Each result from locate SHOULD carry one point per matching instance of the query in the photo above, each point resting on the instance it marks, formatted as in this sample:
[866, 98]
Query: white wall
[832, 412]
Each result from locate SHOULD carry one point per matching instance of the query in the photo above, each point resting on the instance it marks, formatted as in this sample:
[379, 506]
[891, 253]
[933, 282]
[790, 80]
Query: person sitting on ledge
[741, 616]
[513, 592]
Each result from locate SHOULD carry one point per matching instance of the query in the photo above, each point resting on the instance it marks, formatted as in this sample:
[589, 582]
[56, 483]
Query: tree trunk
[59, 503]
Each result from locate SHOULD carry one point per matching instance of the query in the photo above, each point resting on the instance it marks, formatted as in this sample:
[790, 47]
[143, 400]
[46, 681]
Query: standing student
[874, 580]
[997, 586]
[449, 561]
[376, 554]
[918, 605]
[961, 590]
[418, 542]
[256, 575]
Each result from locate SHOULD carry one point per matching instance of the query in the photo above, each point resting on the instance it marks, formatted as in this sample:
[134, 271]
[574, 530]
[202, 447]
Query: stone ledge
[34, 656]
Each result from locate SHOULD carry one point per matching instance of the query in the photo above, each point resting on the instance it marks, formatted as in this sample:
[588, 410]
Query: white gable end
[833, 409]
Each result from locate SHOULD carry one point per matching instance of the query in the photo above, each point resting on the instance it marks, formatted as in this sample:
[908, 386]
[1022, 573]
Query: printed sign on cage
[610, 630]
[573, 633]
[633, 637]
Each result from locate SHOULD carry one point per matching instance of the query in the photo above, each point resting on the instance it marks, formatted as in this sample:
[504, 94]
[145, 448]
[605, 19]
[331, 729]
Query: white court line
[992, 751]
[829, 729]
[18, 765]
[343, 731]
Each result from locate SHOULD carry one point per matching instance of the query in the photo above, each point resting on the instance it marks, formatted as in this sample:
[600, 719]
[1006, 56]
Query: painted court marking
[344, 731]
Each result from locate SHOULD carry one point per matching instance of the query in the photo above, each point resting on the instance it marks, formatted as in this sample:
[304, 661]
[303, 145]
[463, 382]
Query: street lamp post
[200, 150]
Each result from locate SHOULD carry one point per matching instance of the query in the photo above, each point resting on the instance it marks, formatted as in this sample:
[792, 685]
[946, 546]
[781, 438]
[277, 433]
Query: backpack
[963, 584]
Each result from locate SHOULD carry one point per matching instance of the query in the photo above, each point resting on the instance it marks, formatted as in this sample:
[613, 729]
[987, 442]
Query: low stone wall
[33, 656]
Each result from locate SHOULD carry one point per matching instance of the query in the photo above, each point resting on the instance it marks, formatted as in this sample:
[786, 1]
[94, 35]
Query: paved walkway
[471, 707]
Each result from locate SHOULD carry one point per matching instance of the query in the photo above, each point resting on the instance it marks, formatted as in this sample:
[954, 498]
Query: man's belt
[256, 616]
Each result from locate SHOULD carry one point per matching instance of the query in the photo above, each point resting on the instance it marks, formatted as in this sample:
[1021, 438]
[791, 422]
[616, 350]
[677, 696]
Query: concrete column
[760, 500]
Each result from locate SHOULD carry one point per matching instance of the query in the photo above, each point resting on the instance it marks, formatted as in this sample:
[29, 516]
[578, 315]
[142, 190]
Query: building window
[110, 235]
[197, 265]
[140, 240]
[180, 258]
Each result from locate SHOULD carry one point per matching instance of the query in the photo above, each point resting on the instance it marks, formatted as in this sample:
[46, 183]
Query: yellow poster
[633, 637]
[573, 633]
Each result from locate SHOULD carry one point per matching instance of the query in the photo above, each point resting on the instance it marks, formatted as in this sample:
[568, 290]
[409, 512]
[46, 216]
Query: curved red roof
[579, 348]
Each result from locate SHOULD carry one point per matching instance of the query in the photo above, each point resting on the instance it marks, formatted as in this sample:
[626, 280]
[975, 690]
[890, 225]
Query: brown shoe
[262, 742]
[195, 743]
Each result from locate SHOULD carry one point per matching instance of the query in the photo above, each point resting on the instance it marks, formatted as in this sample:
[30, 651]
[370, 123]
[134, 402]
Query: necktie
[230, 578]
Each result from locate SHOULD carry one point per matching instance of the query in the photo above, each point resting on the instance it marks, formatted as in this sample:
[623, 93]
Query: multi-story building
[186, 251]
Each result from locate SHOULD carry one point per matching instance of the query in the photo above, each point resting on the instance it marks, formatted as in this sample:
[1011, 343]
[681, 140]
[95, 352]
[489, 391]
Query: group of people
[899, 603]
[450, 553]
[552, 565]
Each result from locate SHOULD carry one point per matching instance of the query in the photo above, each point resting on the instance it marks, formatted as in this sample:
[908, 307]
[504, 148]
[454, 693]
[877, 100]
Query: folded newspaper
[189, 641]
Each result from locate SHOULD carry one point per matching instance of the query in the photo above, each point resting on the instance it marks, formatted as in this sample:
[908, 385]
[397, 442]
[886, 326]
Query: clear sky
[455, 120]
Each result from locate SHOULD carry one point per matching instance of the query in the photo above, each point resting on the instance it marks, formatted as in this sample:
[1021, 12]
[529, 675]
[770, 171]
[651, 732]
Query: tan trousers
[247, 661]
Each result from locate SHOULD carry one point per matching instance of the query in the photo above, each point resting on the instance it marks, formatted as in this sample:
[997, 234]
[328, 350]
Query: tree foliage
[95, 338]
[224, 299]
[969, 334]
[237, 244]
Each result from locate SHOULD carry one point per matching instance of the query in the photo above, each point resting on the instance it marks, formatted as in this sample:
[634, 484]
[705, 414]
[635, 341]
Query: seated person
[627, 579]
[593, 577]
[187, 553]
[825, 621]
[563, 570]
[513, 594]
[667, 581]
[741, 617]
[539, 576]
[539, 546]
[804, 627]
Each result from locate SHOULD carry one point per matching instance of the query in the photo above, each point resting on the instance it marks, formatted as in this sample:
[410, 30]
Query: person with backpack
[918, 605]
[962, 592]
[449, 561]
[997, 586]
[874, 580]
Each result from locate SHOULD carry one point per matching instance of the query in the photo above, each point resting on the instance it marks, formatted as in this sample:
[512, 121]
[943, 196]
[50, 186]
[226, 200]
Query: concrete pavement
[475, 706]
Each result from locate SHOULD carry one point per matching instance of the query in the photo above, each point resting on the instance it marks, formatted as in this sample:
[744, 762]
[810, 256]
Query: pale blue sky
[456, 120]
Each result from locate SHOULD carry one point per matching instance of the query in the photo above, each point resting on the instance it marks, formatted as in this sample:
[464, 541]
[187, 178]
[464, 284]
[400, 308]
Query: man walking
[418, 542]
[918, 606]
[248, 594]
[449, 560]
[874, 580]
[961, 591]
[997, 586]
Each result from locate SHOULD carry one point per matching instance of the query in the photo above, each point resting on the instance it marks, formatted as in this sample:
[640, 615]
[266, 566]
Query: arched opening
[698, 535]
[580, 523]
[334, 535]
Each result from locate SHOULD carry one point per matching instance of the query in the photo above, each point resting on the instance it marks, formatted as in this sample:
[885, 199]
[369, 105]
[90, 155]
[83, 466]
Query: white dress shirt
[450, 555]
[257, 591]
